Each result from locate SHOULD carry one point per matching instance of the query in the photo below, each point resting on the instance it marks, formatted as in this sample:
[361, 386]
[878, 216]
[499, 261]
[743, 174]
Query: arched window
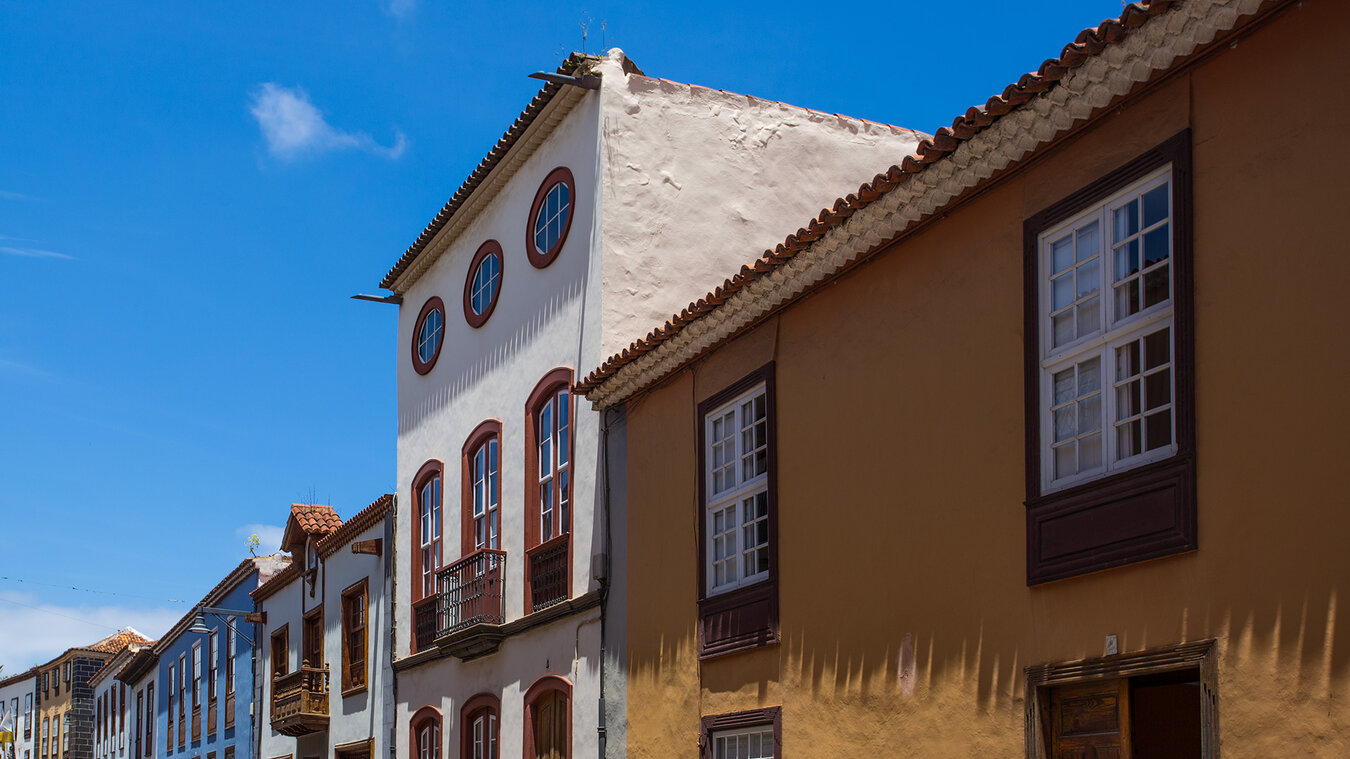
[427, 553]
[548, 719]
[425, 727]
[479, 722]
[482, 489]
[548, 491]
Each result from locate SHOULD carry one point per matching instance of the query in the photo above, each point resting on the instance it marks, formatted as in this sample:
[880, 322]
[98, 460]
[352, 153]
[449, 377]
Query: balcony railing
[472, 592]
[300, 701]
[548, 572]
[425, 622]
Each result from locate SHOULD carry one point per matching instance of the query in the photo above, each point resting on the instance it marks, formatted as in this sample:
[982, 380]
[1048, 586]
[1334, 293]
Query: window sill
[355, 690]
[1143, 513]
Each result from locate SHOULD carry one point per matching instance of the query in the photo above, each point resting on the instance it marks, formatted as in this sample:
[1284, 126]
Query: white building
[16, 701]
[613, 201]
[323, 658]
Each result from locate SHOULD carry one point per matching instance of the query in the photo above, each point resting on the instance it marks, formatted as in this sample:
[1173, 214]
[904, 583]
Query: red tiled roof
[359, 523]
[484, 168]
[118, 641]
[316, 518]
[1090, 42]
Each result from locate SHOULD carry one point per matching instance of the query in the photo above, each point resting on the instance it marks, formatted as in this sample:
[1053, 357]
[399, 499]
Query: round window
[483, 284]
[428, 335]
[550, 217]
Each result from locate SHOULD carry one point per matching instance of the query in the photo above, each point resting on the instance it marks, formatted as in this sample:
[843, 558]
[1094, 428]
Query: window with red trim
[482, 489]
[428, 335]
[479, 721]
[427, 537]
[425, 726]
[550, 217]
[483, 284]
[548, 491]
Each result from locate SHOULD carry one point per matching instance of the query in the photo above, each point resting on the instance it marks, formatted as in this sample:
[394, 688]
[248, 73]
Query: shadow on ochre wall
[1294, 650]
[522, 334]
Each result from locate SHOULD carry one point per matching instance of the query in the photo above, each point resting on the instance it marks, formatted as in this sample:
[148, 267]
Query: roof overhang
[1101, 67]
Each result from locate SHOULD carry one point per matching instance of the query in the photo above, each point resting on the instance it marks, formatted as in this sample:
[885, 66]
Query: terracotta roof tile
[118, 641]
[359, 523]
[1089, 42]
[316, 518]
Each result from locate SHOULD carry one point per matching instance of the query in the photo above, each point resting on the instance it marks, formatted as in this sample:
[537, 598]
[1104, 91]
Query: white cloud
[269, 537]
[293, 127]
[34, 253]
[32, 632]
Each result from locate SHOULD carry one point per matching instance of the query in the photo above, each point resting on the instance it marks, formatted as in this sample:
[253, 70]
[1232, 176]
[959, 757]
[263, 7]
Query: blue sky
[189, 193]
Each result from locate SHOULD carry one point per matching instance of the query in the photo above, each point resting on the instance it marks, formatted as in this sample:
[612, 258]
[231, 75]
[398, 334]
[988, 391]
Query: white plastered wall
[699, 182]
[544, 319]
[358, 716]
[283, 608]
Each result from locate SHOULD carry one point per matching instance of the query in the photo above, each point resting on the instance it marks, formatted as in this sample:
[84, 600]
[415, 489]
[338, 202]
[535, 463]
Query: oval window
[550, 217]
[483, 284]
[428, 335]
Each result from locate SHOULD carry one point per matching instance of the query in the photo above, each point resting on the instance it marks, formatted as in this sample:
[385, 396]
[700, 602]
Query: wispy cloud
[294, 128]
[18, 367]
[269, 537]
[22, 615]
[7, 195]
[34, 253]
[399, 8]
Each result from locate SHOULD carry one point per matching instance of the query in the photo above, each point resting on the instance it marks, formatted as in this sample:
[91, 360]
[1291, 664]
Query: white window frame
[486, 495]
[432, 520]
[429, 741]
[1104, 341]
[765, 733]
[734, 496]
[485, 738]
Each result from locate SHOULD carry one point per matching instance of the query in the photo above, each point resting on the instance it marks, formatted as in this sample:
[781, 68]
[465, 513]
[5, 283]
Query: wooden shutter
[1091, 721]
[550, 726]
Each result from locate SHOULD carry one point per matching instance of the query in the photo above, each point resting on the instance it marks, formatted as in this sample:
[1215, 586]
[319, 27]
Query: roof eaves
[979, 143]
[227, 583]
[359, 523]
[485, 167]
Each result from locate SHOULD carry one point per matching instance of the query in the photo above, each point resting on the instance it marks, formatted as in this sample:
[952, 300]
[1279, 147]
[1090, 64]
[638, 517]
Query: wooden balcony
[300, 701]
[471, 604]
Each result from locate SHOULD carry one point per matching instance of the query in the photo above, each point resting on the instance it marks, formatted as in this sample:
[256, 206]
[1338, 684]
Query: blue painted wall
[240, 733]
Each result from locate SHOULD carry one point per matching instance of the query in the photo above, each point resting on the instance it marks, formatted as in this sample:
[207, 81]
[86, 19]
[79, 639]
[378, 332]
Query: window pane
[1061, 254]
[1157, 245]
[1159, 429]
[1156, 206]
[1127, 259]
[1127, 220]
[1157, 349]
[1157, 286]
[1061, 291]
[1127, 439]
[1063, 329]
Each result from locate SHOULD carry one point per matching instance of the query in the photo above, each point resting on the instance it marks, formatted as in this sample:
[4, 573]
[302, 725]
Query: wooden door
[1091, 721]
[550, 726]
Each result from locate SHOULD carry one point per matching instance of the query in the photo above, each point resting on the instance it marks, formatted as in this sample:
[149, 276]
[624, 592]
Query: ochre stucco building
[1031, 447]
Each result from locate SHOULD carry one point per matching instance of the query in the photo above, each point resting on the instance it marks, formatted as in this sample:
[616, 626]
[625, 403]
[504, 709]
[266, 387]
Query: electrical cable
[89, 590]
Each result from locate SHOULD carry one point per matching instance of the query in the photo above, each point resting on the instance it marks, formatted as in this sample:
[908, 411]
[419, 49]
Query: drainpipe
[601, 736]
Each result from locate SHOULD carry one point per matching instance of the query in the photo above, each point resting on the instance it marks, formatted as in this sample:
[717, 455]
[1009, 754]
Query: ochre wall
[901, 456]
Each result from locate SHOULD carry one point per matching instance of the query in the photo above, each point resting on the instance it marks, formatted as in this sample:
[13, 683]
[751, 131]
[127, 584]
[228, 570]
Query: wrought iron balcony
[471, 605]
[549, 574]
[300, 701]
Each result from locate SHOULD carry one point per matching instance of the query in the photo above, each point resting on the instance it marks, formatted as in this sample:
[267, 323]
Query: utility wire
[88, 590]
[58, 614]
